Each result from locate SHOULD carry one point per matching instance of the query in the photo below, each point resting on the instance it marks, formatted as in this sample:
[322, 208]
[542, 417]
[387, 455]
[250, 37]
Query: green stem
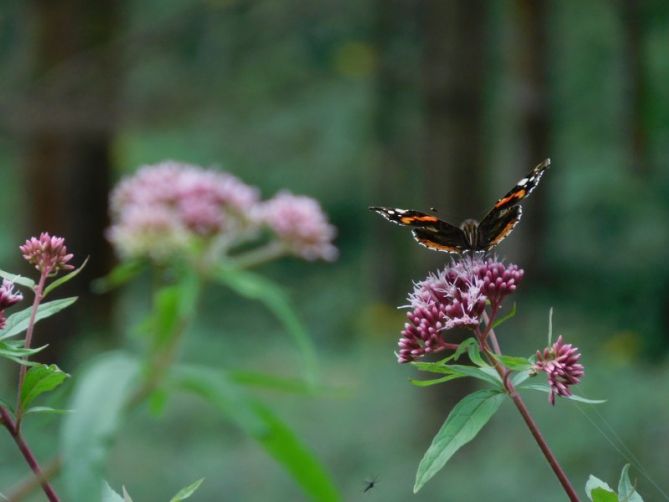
[259, 256]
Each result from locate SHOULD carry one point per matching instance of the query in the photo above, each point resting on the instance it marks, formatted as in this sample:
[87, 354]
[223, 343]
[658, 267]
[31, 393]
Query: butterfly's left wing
[428, 230]
[506, 213]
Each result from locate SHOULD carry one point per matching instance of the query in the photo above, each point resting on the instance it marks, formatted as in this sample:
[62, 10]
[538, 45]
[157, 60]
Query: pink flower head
[454, 297]
[7, 298]
[158, 211]
[560, 363]
[299, 222]
[7, 295]
[48, 253]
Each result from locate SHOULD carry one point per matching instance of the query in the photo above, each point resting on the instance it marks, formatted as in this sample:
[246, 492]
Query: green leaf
[18, 322]
[99, 400]
[506, 317]
[626, 490]
[119, 275]
[39, 379]
[475, 356]
[18, 279]
[484, 374]
[173, 306]
[598, 491]
[514, 363]
[464, 422]
[256, 287]
[435, 381]
[186, 492]
[545, 388]
[47, 409]
[15, 351]
[62, 280]
[518, 378]
[273, 382]
[261, 424]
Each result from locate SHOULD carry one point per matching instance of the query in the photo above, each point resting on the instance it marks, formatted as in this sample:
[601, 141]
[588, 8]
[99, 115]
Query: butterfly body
[470, 236]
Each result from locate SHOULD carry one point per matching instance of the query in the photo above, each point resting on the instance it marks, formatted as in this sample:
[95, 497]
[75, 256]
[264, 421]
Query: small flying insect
[369, 484]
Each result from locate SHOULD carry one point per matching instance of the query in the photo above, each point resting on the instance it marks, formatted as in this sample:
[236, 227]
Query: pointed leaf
[256, 287]
[514, 363]
[99, 400]
[18, 322]
[626, 490]
[435, 381]
[62, 280]
[520, 377]
[545, 388]
[261, 424]
[464, 422]
[598, 491]
[18, 279]
[40, 379]
[186, 492]
[475, 356]
[46, 409]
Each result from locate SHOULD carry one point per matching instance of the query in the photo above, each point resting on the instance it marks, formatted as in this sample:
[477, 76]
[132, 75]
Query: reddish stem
[15, 432]
[39, 290]
[520, 404]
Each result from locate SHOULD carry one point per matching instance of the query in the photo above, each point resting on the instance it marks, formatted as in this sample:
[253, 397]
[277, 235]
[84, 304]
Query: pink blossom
[300, 224]
[48, 253]
[560, 363]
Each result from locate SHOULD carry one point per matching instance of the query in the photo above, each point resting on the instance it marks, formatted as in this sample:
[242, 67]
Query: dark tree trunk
[453, 86]
[635, 84]
[394, 172]
[68, 132]
[453, 71]
[531, 56]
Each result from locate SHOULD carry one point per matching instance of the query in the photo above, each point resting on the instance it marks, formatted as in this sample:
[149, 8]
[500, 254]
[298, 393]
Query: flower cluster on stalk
[560, 363]
[47, 253]
[454, 297]
[165, 209]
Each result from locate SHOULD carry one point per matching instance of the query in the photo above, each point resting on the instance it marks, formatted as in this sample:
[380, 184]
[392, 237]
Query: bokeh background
[431, 103]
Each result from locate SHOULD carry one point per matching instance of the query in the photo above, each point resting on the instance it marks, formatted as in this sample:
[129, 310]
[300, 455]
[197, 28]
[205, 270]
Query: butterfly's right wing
[428, 230]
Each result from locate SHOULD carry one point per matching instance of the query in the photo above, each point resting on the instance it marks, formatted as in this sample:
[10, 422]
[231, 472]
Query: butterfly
[495, 226]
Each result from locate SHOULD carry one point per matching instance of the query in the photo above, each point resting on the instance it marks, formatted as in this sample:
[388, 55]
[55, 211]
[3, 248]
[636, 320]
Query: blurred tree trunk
[635, 83]
[453, 71]
[393, 254]
[68, 137]
[532, 59]
[453, 86]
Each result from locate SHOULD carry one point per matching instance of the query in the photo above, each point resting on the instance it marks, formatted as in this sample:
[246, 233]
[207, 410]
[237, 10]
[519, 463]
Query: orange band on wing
[519, 195]
[505, 231]
[439, 247]
[408, 220]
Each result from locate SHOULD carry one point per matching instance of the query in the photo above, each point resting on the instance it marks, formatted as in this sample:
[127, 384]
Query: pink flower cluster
[560, 363]
[166, 208]
[452, 298]
[48, 253]
[7, 298]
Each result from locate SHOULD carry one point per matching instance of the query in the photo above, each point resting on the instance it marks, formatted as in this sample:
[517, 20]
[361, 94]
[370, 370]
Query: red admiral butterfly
[438, 235]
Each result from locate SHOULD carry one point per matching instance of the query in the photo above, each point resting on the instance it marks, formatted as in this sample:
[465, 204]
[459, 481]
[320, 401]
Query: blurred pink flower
[454, 297]
[560, 363]
[48, 253]
[300, 224]
[161, 208]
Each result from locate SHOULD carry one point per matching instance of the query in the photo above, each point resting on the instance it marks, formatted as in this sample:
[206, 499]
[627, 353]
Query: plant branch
[504, 373]
[15, 431]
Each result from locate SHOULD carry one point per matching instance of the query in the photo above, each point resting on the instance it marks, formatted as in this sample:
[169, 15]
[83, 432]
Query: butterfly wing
[506, 213]
[428, 230]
